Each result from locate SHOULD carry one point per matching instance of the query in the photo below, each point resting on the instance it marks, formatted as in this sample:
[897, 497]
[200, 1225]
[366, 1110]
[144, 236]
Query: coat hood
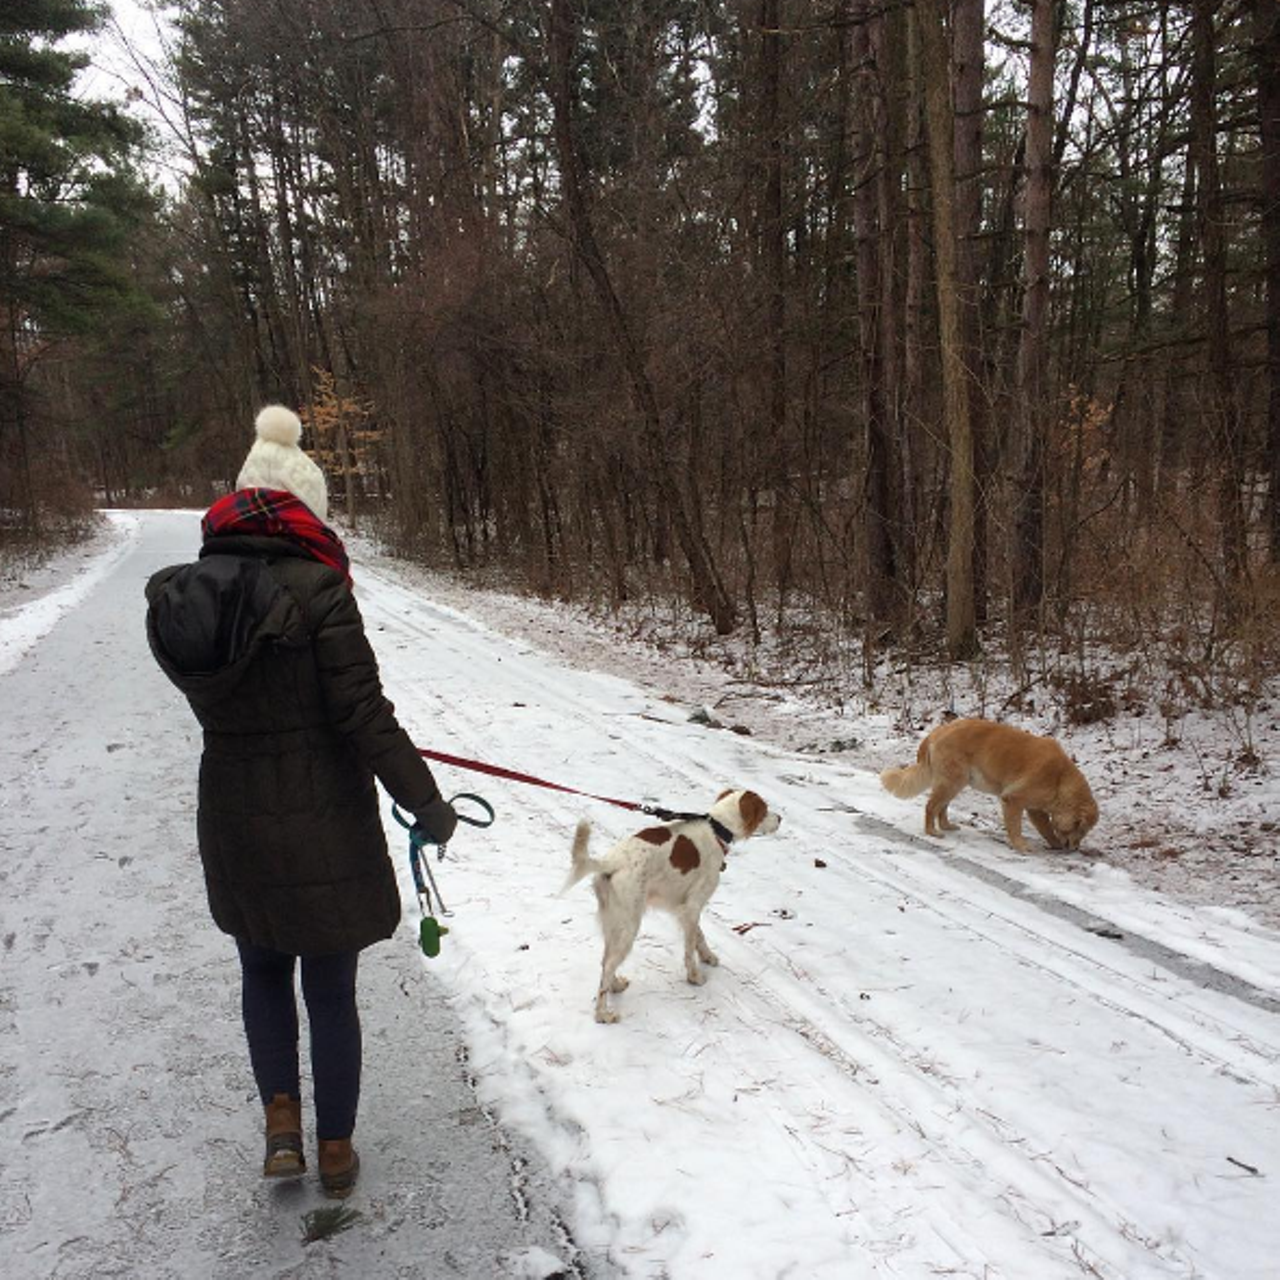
[207, 620]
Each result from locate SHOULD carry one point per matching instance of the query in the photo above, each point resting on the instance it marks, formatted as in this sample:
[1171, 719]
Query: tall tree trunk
[868, 165]
[1032, 370]
[889, 49]
[708, 591]
[346, 462]
[969, 19]
[773, 247]
[915, 401]
[1222, 408]
[1175, 430]
[13, 419]
[962, 640]
[1266, 18]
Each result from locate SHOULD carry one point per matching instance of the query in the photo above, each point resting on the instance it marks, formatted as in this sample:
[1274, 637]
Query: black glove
[437, 821]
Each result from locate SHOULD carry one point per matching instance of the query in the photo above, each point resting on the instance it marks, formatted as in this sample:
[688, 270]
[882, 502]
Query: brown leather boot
[284, 1158]
[339, 1166]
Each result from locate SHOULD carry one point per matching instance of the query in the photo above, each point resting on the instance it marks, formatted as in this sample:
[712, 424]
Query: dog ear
[753, 810]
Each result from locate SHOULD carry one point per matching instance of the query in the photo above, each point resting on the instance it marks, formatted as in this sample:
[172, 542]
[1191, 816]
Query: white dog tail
[583, 863]
[908, 782]
[911, 780]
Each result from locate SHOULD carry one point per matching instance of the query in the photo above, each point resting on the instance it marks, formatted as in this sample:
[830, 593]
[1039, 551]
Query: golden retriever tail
[911, 780]
[583, 863]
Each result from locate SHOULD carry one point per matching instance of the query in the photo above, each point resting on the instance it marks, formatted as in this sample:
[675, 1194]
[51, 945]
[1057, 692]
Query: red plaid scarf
[276, 514]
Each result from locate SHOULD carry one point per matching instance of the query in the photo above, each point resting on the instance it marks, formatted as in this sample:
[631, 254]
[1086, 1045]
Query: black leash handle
[469, 819]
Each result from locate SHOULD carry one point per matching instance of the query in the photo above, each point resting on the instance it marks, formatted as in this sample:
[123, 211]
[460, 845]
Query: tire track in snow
[1197, 971]
[936, 886]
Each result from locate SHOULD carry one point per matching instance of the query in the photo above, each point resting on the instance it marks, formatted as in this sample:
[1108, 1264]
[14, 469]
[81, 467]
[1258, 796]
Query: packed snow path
[900, 1069]
[130, 1138]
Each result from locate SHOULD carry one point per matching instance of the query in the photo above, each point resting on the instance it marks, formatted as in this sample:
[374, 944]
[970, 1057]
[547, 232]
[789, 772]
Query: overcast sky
[126, 58]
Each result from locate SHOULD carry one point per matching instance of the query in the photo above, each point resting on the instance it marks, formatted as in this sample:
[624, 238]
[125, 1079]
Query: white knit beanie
[276, 462]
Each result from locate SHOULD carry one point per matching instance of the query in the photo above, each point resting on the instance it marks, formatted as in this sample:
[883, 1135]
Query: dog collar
[721, 832]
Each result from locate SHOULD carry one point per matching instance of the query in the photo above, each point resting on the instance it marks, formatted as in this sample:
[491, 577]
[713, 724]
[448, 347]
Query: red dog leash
[497, 771]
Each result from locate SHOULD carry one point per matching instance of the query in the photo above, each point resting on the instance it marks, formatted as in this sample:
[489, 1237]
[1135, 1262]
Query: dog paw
[606, 1015]
[619, 984]
[696, 979]
[709, 957]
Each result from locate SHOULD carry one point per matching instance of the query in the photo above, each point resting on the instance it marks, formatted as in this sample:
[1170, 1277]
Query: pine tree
[68, 198]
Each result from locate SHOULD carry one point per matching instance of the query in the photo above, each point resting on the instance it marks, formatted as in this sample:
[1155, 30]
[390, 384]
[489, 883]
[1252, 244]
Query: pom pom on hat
[276, 462]
[279, 425]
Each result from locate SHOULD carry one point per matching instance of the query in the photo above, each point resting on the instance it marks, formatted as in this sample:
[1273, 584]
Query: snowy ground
[1184, 810]
[915, 1059]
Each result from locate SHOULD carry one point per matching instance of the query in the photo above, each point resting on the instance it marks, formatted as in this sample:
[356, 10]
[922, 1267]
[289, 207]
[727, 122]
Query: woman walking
[263, 636]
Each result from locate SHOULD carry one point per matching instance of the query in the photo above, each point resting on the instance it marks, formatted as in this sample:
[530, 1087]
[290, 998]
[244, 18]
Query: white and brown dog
[675, 866]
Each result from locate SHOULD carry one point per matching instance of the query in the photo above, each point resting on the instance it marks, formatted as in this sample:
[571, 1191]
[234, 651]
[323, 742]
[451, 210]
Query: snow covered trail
[129, 1133]
[900, 1069]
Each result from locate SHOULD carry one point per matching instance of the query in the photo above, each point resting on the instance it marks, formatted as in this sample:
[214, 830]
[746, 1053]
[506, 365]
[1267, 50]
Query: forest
[931, 326]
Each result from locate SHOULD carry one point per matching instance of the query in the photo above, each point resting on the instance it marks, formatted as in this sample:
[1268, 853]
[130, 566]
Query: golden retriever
[1030, 774]
[675, 866]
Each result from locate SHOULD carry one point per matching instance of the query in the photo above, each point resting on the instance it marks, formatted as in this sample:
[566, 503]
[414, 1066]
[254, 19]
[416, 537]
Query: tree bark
[1266, 18]
[969, 19]
[962, 638]
[889, 48]
[773, 247]
[881, 570]
[1032, 370]
[915, 403]
[1222, 410]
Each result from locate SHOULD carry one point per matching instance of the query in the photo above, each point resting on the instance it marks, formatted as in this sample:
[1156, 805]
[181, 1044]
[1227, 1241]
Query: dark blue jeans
[270, 1008]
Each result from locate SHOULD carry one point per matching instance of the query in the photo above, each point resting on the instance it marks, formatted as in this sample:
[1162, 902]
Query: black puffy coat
[269, 648]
